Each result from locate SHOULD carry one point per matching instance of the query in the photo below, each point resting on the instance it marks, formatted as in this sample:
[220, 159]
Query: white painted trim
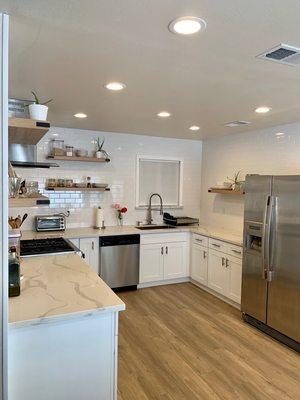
[137, 180]
[4, 25]
[163, 282]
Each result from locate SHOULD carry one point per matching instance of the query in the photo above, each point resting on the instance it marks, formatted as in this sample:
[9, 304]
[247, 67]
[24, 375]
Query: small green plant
[37, 100]
[100, 147]
[100, 144]
[237, 182]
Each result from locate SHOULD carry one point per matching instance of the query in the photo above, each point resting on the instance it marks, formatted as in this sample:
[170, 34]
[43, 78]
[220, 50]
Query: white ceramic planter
[38, 111]
[99, 154]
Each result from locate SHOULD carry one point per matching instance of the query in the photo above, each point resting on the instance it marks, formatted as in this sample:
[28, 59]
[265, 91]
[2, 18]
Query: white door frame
[4, 26]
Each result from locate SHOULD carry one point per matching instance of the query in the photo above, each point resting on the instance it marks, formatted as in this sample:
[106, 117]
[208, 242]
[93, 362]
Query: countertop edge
[66, 317]
[72, 233]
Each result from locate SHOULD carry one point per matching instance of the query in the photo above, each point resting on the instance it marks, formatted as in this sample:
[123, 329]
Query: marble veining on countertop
[59, 287]
[214, 232]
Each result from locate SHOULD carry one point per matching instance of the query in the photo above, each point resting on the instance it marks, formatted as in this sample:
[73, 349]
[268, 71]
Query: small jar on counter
[69, 151]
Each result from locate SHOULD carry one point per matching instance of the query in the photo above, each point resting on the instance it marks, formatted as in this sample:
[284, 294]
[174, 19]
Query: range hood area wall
[25, 156]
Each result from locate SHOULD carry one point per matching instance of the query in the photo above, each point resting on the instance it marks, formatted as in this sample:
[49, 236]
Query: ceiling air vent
[233, 124]
[283, 54]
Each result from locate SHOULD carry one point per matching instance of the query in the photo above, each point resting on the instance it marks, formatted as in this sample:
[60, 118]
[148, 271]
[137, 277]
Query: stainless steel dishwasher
[119, 260]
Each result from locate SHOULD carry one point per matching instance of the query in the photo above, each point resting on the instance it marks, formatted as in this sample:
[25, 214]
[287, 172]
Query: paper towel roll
[99, 217]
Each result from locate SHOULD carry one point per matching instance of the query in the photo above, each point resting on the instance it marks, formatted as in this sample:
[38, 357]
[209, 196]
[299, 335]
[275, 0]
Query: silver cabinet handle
[162, 251]
[166, 249]
[223, 261]
[236, 251]
[93, 246]
[216, 245]
[199, 240]
[227, 263]
[204, 254]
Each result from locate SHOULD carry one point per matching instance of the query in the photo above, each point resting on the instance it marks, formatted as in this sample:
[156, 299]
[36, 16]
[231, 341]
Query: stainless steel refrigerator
[271, 263]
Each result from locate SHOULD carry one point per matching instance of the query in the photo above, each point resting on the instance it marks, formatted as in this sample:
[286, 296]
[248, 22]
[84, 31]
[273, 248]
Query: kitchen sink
[147, 227]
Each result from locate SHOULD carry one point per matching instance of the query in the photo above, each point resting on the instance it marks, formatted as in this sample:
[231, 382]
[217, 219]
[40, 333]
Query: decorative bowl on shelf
[81, 185]
[81, 153]
[99, 185]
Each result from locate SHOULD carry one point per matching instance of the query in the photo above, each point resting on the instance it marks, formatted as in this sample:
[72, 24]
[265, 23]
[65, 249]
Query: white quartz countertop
[233, 237]
[62, 286]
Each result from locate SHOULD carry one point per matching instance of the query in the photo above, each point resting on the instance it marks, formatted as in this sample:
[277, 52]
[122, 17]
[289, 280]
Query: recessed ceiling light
[187, 25]
[115, 86]
[262, 109]
[194, 128]
[164, 114]
[80, 115]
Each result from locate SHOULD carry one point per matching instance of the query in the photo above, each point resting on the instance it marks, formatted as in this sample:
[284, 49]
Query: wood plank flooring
[178, 342]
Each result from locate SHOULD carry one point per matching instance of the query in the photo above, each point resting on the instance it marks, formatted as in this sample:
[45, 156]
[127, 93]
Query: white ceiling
[68, 49]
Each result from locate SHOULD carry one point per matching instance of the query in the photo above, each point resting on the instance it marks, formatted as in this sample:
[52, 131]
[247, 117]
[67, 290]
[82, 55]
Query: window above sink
[163, 175]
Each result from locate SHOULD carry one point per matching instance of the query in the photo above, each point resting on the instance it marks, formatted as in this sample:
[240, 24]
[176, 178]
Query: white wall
[119, 174]
[257, 152]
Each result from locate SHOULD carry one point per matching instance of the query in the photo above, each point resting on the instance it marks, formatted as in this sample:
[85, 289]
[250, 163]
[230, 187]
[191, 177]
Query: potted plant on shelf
[237, 183]
[38, 110]
[120, 213]
[100, 152]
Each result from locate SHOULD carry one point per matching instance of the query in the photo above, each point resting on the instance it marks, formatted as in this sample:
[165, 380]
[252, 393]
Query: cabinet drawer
[201, 240]
[152, 238]
[234, 250]
[217, 245]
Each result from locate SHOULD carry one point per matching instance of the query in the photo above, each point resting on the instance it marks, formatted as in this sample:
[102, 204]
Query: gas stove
[49, 246]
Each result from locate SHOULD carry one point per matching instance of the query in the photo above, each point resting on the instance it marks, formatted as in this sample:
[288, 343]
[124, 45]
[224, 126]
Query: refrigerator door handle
[266, 238]
[272, 226]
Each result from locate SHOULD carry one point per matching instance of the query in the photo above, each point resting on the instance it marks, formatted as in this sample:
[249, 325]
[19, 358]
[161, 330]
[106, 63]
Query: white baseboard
[223, 298]
[165, 282]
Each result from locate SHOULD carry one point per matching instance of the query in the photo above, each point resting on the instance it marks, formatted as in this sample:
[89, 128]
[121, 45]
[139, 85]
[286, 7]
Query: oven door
[50, 224]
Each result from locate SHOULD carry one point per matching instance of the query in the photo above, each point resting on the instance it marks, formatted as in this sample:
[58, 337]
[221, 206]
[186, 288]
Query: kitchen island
[63, 332]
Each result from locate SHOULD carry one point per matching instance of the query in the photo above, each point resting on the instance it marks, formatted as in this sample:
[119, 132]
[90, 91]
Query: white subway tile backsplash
[256, 152]
[119, 174]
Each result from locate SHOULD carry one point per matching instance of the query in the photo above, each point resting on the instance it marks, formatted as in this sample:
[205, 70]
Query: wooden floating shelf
[76, 189]
[29, 201]
[227, 192]
[26, 131]
[75, 158]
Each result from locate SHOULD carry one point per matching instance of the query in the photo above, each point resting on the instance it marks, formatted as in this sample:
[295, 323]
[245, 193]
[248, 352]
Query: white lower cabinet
[234, 267]
[199, 264]
[175, 260]
[163, 257]
[151, 263]
[217, 273]
[217, 265]
[90, 249]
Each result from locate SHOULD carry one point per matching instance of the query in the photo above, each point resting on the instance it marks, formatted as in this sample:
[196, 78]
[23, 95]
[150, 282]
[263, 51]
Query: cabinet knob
[204, 254]
[162, 250]
[166, 249]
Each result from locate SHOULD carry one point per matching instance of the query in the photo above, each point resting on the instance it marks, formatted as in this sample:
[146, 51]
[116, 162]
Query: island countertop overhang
[59, 287]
